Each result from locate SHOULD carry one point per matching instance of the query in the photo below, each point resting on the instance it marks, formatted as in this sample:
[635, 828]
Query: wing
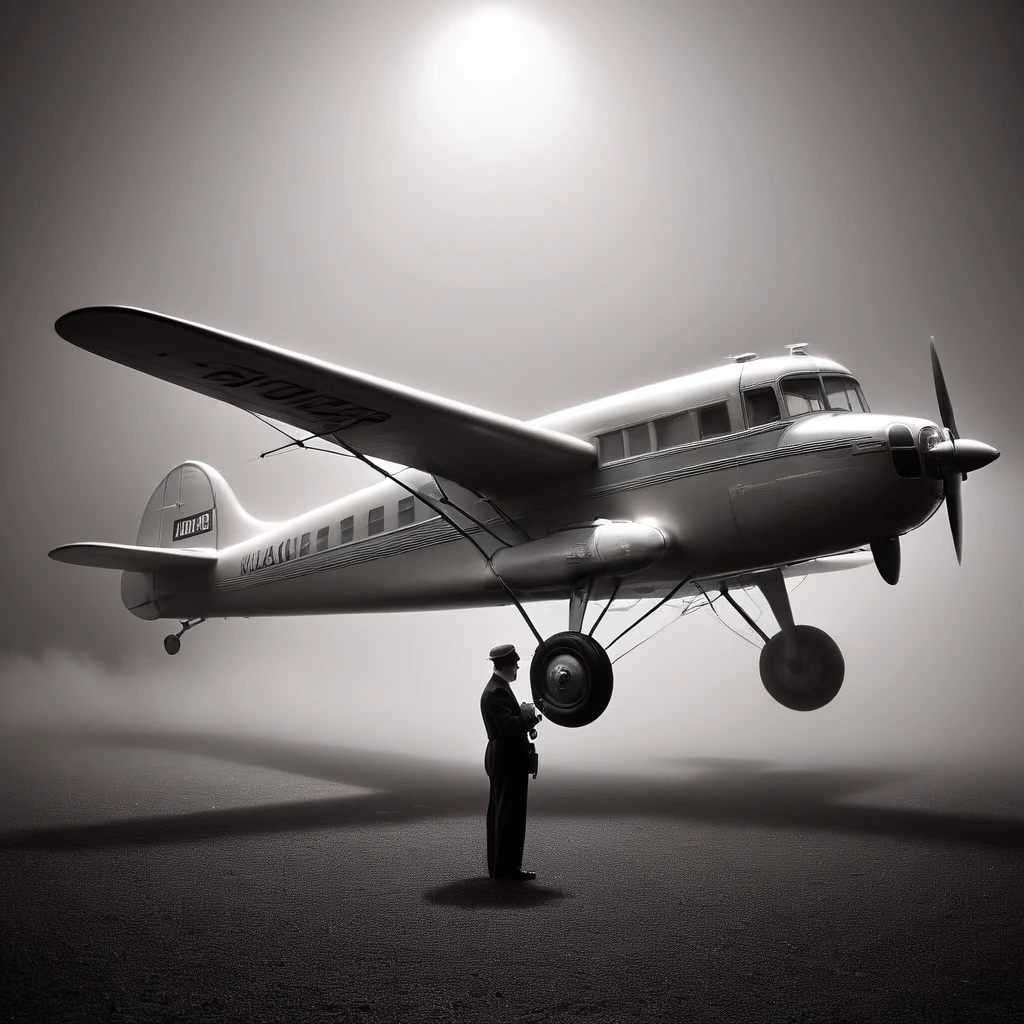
[829, 563]
[134, 558]
[493, 454]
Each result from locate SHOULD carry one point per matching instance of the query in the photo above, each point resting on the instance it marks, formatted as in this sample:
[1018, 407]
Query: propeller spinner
[955, 458]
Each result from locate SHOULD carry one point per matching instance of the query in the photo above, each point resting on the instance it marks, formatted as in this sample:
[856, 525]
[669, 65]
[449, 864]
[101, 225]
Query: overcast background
[672, 183]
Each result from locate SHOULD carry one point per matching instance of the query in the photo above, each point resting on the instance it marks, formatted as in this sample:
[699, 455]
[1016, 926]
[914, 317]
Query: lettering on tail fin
[192, 526]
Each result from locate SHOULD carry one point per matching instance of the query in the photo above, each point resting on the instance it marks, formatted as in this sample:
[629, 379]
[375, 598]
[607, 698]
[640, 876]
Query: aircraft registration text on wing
[735, 477]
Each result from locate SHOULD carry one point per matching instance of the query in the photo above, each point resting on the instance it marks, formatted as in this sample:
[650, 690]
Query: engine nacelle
[603, 549]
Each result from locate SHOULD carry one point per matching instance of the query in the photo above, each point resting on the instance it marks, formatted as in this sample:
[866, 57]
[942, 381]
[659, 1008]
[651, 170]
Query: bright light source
[495, 80]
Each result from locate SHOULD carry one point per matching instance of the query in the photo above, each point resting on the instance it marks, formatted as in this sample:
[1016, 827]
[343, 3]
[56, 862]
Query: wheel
[572, 675]
[172, 644]
[810, 680]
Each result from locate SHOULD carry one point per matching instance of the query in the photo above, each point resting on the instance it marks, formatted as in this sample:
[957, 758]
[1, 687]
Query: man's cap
[503, 652]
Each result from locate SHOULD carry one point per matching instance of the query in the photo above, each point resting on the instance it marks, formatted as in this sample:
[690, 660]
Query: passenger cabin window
[761, 406]
[672, 431]
[375, 520]
[802, 395]
[406, 511]
[668, 432]
[844, 393]
[610, 447]
[348, 530]
[321, 538]
[638, 439]
[713, 420]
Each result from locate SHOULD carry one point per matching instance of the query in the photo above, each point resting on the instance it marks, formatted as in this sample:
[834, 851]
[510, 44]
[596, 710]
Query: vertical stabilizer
[193, 506]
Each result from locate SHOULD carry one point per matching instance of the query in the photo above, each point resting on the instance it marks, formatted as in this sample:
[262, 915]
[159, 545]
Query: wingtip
[66, 324]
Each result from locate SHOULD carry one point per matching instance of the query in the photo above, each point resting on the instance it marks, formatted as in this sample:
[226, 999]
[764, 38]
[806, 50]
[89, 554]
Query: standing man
[509, 760]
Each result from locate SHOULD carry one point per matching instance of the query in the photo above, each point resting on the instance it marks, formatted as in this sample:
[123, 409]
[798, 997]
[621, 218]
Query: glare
[495, 79]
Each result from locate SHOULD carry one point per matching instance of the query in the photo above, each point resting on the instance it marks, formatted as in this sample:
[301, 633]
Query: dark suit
[507, 763]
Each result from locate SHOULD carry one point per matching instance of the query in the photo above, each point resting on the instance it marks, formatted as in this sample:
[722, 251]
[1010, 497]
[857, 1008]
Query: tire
[581, 697]
[815, 677]
[172, 644]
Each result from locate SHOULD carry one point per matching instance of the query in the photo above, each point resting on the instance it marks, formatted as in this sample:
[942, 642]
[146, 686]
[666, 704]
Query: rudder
[193, 506]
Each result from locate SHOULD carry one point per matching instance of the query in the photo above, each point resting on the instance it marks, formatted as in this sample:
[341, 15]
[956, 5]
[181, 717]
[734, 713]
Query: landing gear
[801, 666]
[571, 674]
[172, 642]
[571, 679]
[806, 674]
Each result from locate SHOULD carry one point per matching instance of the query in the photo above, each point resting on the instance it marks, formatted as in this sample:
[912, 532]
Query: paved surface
[169, 877]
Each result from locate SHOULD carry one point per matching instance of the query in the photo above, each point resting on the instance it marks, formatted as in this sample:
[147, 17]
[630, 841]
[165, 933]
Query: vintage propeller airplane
[736, 477]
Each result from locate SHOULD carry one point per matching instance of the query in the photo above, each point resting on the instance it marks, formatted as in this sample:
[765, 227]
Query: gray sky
[686, 181]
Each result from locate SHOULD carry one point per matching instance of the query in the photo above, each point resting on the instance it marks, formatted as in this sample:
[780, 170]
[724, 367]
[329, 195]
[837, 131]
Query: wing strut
[446, 516]
[750, 622]
[668, 597]
[445, 500]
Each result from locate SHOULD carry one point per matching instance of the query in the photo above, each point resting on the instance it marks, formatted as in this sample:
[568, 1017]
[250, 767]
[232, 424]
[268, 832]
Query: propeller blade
[945, 405]
[953, 510]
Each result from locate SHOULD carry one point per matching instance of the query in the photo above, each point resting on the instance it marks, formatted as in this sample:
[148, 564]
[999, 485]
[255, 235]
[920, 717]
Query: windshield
[802, 395]
[844, 393]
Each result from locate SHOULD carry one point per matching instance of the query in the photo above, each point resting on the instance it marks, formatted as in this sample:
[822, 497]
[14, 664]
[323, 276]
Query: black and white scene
[512, 511]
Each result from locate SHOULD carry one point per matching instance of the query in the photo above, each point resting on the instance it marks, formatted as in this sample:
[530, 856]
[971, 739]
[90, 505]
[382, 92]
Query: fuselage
[751, 464]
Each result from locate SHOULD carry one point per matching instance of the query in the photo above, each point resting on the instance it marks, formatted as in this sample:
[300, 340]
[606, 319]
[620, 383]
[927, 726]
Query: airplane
[737, 477]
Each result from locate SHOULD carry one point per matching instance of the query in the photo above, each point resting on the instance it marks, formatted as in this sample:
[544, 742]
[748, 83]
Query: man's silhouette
[508, 765]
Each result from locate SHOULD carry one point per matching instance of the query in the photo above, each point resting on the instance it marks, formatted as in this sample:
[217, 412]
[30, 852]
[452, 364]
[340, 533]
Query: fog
[698, 179]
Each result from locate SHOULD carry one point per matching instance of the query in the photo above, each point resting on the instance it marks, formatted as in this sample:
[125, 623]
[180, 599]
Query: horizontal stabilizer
[133, 558]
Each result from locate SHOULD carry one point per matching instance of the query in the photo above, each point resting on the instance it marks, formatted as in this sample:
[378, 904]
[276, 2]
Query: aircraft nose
[962, 455]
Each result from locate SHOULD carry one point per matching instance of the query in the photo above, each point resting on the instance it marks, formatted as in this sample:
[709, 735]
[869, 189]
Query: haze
[677, 182]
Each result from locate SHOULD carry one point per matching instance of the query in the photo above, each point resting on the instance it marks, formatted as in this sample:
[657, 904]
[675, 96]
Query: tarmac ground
[178, 876]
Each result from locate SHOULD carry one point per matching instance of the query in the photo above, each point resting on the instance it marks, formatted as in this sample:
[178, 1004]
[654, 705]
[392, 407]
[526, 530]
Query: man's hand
[529, 713]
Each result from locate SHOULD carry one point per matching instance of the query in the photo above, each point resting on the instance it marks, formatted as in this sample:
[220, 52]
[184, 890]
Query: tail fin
[192, 506]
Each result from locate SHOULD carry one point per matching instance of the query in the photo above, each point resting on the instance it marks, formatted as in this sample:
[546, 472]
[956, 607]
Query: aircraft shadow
[408, 789]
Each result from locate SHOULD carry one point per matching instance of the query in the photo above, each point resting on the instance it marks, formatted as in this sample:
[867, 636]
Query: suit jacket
[508, 748]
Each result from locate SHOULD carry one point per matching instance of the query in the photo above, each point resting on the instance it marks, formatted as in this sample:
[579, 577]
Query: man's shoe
[518, 876]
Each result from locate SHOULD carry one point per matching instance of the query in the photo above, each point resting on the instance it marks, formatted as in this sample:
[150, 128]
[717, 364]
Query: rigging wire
[430, 503]
[711, 605]
[352, 453]
[295, 443]
[668, 597]
[671, 622]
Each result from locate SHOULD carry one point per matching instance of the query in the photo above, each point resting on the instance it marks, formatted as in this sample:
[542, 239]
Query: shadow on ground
[408, 789]
[474, 893]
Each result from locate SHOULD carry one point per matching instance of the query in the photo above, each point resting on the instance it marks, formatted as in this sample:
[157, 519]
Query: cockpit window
[802, 395]
[761, 405]
[844, 393]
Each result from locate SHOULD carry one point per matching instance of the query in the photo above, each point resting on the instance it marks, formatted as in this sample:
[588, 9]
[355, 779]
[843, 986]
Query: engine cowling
[600, 549]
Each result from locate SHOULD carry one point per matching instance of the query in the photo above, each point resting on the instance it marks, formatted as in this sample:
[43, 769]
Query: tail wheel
[572, 675]
[808, 678]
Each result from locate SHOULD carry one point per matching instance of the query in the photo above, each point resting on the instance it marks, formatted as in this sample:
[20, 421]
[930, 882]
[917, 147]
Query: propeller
[955, 458]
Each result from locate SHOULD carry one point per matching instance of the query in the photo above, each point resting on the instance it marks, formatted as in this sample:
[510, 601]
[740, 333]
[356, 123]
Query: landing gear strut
[172, 642]
[801, 666]
[571, 675]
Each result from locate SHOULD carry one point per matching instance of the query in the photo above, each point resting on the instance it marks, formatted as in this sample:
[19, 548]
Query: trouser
[506, 823]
